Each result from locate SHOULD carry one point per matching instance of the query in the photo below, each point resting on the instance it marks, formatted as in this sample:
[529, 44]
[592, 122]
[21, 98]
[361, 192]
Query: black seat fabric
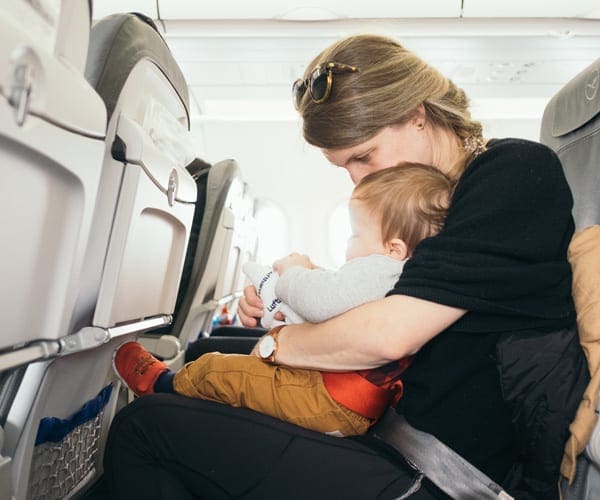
[198, 300]
[571, 127]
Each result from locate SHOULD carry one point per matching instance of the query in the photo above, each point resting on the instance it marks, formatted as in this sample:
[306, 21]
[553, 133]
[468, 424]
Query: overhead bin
[305, 10]
[311, 10]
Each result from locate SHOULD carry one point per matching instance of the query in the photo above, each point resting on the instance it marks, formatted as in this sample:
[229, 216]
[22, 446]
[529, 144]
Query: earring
[420, 126]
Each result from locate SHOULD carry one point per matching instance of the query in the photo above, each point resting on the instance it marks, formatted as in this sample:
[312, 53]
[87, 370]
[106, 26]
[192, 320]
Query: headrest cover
[576, 103]
[117, 43]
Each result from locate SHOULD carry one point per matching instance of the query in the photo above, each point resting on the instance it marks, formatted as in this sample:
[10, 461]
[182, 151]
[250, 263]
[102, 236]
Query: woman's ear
[397, 249]
[419, 117]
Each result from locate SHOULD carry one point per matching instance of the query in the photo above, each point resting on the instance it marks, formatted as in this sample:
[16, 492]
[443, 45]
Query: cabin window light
[339, 232]
[272, 232]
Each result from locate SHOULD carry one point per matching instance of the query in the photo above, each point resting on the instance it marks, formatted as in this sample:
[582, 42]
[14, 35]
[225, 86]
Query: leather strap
[274, 334]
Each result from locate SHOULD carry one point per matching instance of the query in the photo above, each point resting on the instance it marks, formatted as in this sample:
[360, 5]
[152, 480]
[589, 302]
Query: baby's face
[366, 232]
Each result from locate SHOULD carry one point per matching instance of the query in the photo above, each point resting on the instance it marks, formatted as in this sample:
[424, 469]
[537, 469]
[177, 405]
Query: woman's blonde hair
[389, 86]
[410, 200]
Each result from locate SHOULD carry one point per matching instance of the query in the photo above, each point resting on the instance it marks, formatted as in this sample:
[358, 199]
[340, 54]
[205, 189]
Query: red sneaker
[137, 368]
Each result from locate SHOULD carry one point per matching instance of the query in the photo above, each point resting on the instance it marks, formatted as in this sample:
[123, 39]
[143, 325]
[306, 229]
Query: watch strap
[274, 333]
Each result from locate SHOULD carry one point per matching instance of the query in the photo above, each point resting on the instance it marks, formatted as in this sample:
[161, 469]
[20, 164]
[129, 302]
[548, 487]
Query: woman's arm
[368, 336]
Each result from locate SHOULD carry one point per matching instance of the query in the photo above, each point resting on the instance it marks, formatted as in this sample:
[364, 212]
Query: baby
[391, 212]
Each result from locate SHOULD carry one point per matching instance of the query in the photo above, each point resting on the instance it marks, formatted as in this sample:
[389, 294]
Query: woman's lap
[161, 442]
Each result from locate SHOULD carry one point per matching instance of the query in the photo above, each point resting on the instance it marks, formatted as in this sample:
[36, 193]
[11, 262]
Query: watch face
[266, 346]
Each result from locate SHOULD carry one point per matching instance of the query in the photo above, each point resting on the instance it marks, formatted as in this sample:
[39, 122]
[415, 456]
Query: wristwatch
[267, 345]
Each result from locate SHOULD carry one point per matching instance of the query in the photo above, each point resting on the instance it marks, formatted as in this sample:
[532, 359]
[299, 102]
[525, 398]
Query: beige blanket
[584, 257]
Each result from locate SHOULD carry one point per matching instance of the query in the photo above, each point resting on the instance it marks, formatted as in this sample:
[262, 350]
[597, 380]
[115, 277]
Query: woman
[491, 290]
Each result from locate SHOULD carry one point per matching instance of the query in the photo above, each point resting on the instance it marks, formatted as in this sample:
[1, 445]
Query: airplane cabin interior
[150, 148]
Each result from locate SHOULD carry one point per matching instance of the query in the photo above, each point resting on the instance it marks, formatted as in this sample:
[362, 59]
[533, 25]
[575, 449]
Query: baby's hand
[294, 259]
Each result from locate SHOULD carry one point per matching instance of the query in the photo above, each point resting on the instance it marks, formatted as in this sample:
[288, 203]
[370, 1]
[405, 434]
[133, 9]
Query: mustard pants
[291, 394]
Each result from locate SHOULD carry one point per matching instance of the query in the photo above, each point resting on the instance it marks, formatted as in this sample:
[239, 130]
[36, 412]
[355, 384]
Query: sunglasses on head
[319, 82]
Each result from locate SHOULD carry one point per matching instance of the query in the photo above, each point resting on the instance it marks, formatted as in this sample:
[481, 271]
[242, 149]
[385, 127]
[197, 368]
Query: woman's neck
[448, 150]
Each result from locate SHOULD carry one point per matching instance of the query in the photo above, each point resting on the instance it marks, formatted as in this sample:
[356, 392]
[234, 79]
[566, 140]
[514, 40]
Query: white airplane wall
[240, 76]
[281, 167]
[239, 60]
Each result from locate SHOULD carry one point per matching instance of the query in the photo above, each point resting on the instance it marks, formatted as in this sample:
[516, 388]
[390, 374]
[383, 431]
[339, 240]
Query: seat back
[52, 129]
[147, 198]
[138, 226]
[199, 170]
[223, 238]
[571, 127]
[216, 255]
[48, 204]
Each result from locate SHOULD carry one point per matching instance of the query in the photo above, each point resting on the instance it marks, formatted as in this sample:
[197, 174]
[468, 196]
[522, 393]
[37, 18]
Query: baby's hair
[410, 200]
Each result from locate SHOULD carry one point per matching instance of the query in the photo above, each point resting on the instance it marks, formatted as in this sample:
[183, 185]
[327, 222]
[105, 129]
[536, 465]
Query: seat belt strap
[443, 466]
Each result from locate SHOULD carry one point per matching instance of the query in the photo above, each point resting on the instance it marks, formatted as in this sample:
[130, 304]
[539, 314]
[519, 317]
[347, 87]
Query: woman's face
[392, 145]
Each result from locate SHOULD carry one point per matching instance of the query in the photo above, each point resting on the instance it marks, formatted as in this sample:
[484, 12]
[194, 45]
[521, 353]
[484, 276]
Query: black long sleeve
[501, 256]
[502, 253]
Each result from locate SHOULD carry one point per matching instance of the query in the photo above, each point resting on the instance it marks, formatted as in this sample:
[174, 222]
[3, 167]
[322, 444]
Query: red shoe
[137, 368]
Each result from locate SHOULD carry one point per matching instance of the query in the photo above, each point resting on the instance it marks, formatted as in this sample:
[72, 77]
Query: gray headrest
[117, 43]
[575, 104]
[570, 126]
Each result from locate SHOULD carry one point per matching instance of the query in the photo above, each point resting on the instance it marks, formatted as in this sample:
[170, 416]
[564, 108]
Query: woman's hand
[294, 259]
[250, 307]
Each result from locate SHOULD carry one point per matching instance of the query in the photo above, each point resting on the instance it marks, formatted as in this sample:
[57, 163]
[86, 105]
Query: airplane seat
[571, 127]
[224, 335]
[140, 218]
[244, 246]
[50, 157]
[248, 237]
[199, 171]
[43, 138]
[154, 340]
[147, 197]
[215, 259]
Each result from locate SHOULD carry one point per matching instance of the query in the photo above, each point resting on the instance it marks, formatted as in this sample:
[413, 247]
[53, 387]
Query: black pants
[170, 447]
[166, 446]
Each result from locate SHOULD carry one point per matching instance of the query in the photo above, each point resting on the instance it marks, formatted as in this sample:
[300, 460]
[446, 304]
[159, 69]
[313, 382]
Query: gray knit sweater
[319, 294]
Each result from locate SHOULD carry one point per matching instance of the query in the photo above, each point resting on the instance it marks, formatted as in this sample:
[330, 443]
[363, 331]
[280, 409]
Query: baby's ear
[397, 249]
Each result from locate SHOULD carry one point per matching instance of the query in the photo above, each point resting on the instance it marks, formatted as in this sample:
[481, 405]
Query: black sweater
[501, 256]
